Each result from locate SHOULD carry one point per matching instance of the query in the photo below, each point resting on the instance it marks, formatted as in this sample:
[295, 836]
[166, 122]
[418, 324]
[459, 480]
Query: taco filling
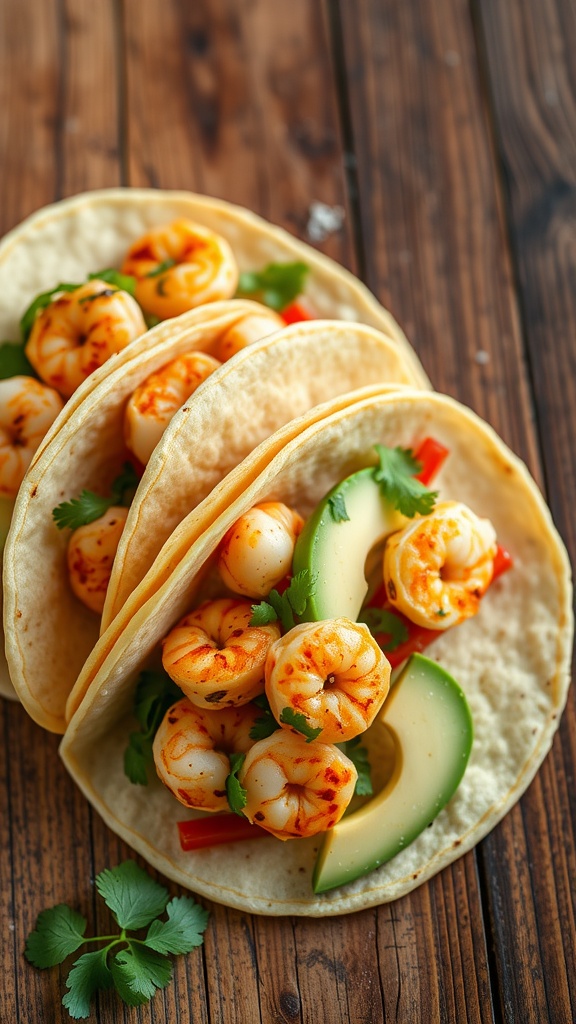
[277, 698]
[505, 640]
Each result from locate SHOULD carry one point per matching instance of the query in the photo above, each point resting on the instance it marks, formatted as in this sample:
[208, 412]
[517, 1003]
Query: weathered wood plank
[236, 100]
[90, 127]
[29, 38]
[530, 81]
[436, 252]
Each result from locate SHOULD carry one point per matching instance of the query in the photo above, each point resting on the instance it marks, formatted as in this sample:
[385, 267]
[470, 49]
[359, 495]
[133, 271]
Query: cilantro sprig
[265, 724]
[395, 474]
[80, 511]
[122, 282]
[381, 620]
[285, 606]
[235, 792]
[299, 721]
[358, 754]
[277, 285]
[135, 967]
[155, 693]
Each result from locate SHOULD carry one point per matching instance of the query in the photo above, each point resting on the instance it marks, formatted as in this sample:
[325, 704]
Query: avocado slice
[335, 550]
[431, 725]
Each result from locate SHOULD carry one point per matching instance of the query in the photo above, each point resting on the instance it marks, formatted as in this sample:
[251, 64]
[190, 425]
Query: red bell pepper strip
[296, 312]
[197, 833]
[419, 637]
[432, 455]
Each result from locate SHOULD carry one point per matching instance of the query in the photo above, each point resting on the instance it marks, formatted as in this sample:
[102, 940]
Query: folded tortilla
[512, 660]
[93, 231]
[49, 633]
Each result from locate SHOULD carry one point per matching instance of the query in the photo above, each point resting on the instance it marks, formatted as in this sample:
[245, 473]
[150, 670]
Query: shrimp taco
[257, 678]
[82, 278]
[68, 520]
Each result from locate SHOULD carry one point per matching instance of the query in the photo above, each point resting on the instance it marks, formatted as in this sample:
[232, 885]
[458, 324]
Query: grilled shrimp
[333, 672]
[256, 553]
[216, 657]
[91, 552]
[294, 788]
[438, 567]
[79, 331]
[27, 411]
[251, 327]
[180, 266]
[153, 404]
[192, 751]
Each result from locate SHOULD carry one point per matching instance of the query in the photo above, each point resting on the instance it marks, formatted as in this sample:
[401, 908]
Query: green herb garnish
[13, 361]
[136, 967]
[299, 722]
[234, 791]
[40, 303]
[155, 694]
[395, 474]
[284, 606]
[359, 757]
[161, 268]
[266, 724]
[380, 620]
[276, 286]
[70, 515]
[337, 507]
[122, 282]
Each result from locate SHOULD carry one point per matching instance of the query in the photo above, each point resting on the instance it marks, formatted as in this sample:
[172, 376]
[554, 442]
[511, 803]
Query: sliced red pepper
[296, 312]
[432, 455]
[419, 638]
[197, 833]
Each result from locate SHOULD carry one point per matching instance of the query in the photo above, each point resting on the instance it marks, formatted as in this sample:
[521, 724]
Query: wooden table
[446, 131]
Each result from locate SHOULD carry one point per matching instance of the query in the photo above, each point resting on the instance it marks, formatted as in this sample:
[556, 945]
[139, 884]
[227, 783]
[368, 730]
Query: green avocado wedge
[335, 549]
[430, 722]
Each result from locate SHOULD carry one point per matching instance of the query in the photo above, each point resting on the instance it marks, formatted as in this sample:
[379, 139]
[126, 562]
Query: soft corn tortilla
[92, 231]
[49, 633]
[512, 660]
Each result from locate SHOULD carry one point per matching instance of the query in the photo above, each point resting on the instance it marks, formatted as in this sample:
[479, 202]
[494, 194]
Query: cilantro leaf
[285, 606]
[299, 722]
[395, 474]
[40, 303]
[359, 757]
[89, 973]
[123, 282]
[134, 898]
[380, 620]
[124, 486]
[59, 932]
[138, 971]
[138, 758]
[162, 268]
[302, 587]
[337, 507]
[263, 614]
[234, 790]
[139, 967]
[13, 361]
[155, 694]
[266, 724]
[277, 285]
[69, 515]
[88, 507]
[182, 931]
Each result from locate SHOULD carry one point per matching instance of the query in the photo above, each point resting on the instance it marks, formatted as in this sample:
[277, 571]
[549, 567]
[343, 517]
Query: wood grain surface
[446, 132]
